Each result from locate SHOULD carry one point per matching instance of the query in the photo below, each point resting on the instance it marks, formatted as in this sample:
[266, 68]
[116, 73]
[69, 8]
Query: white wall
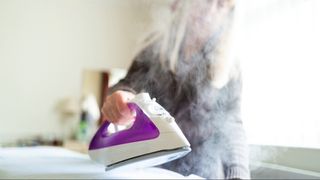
[44, 47]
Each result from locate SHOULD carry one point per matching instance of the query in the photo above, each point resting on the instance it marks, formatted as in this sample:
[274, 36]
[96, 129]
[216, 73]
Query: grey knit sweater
[209, 117]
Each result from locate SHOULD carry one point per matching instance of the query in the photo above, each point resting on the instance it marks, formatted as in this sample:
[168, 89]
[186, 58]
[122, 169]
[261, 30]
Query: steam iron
[153, 139]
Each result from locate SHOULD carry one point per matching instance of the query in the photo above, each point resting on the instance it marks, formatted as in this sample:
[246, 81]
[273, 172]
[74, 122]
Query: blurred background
[55, 53]
[57, 58]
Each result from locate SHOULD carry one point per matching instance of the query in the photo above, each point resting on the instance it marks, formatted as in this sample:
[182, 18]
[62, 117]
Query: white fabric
[55, 163]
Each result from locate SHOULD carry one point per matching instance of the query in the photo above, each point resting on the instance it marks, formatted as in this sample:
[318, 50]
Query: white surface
[50, 162]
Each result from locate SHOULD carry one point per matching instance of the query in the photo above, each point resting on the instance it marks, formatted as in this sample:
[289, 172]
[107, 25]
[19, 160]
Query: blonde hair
[170, 35]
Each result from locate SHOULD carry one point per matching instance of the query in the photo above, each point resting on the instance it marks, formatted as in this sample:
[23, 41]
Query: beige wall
[44, 47]
[91, 84]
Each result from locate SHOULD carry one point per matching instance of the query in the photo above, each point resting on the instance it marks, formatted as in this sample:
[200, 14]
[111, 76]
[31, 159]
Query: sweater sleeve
[135, 80]
[236, 160]
[236, 154]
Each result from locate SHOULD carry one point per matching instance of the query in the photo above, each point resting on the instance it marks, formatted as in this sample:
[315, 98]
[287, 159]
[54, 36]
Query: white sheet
[53, 162]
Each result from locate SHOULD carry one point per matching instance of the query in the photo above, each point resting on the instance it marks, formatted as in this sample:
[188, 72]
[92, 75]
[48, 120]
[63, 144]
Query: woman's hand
[116, 110]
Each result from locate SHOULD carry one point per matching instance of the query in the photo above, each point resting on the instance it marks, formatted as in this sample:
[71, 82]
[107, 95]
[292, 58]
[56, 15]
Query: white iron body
[169, 145]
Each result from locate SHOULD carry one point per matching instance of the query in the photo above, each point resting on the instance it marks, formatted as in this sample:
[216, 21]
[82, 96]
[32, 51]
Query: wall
[92, 84]
[44, 47]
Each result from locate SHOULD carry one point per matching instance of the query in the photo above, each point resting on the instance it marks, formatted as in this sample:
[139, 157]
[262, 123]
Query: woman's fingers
[115, 108]
[108, 112]
[122, 105]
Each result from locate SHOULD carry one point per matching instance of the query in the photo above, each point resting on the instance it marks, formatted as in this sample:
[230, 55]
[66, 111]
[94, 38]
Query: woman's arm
[115, 107]
[136, 80]
[235, 156]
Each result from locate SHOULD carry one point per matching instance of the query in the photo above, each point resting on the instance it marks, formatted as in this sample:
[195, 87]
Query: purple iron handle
[142, 129]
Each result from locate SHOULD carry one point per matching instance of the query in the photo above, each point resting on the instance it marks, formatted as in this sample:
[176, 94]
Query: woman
[188, 67]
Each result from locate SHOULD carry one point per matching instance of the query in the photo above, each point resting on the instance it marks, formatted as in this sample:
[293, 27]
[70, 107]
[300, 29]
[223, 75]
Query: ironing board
[58, 163]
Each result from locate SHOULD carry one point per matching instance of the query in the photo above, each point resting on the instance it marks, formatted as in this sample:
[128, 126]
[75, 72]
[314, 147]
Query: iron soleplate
[148, 160]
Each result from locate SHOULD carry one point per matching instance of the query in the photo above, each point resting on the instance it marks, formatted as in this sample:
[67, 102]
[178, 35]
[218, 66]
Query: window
[279, 47]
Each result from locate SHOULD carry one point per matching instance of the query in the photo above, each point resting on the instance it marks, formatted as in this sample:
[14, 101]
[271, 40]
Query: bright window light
[280, 54]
